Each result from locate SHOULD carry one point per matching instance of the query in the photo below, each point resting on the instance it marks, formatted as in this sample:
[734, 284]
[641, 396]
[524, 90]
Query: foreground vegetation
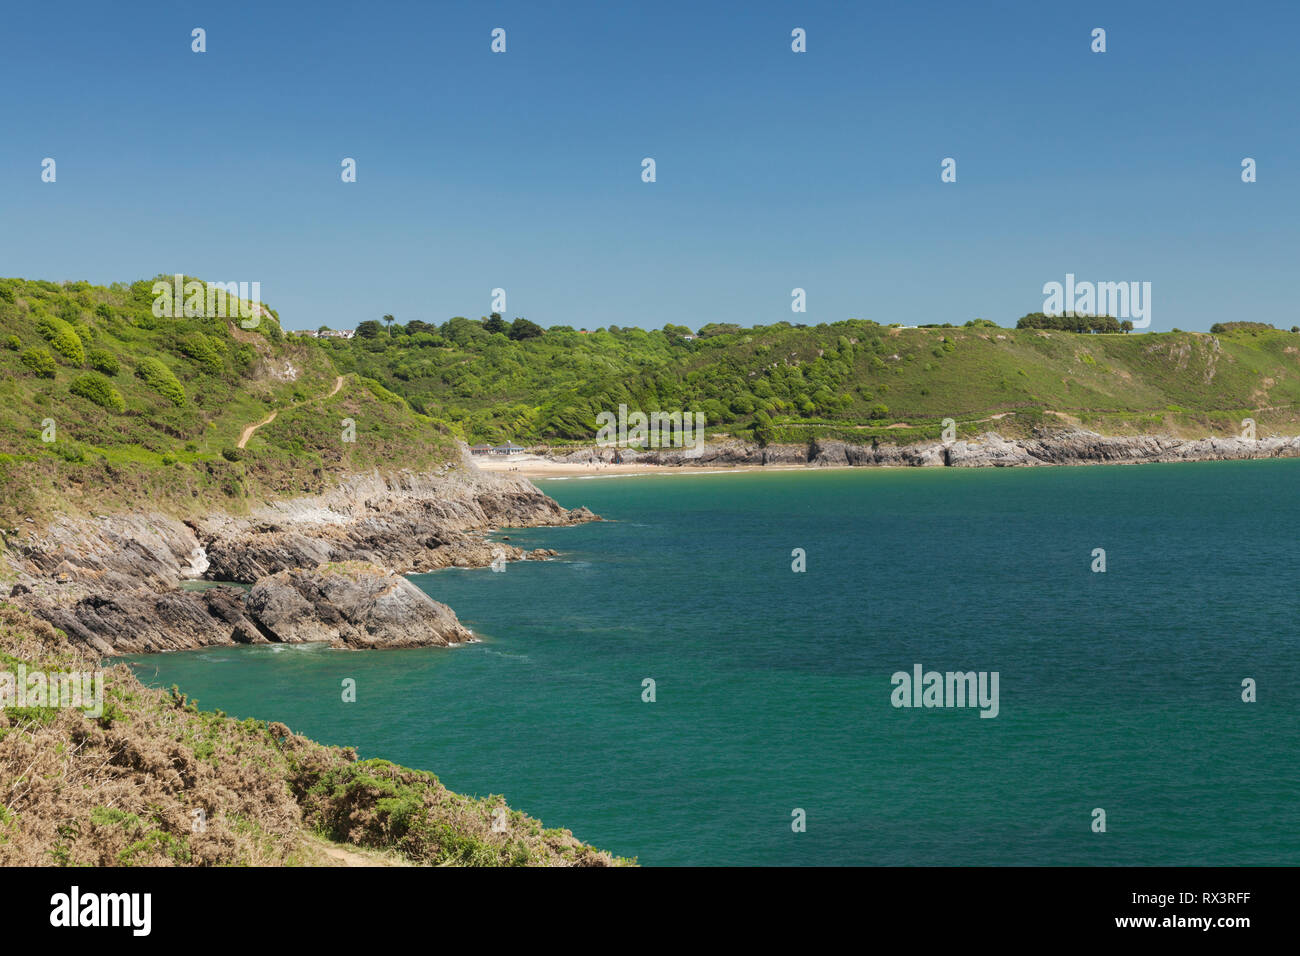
[155, 781]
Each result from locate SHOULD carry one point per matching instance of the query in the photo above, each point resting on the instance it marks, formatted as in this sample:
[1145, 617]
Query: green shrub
[199, 349]
[161, 379]
[41, 362]
[99, 390]
[1221, 328]
[62, 338]
[381, 393]
[13, 342]
[232, 454]
[103, 361]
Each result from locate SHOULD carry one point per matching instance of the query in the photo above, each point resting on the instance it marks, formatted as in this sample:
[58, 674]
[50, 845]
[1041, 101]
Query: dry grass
[122, 789]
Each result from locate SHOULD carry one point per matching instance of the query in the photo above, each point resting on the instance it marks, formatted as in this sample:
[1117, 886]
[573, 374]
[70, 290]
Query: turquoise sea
[1119, 690]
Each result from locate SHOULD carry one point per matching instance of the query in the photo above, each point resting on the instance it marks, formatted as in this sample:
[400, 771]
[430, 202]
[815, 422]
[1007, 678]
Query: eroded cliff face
[325, 568]
[1067, 446]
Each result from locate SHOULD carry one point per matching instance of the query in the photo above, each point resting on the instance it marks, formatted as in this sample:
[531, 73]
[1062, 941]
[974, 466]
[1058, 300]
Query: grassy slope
[850, 379]
[171, 452]
[855, 380]
[121, 789]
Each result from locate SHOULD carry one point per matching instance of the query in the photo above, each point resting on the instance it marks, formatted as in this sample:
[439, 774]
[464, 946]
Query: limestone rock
[354, 604]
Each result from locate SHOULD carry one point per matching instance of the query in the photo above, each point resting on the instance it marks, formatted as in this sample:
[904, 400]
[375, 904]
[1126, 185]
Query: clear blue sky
[775, 169]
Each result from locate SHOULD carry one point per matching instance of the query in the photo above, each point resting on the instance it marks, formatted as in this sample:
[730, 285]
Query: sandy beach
[535, 466]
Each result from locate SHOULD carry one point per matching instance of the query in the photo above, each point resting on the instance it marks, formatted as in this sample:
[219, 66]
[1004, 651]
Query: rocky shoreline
[1058, 446]
[330, 568]
[325, 569]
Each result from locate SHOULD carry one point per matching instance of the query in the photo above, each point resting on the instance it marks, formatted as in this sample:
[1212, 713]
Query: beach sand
[534, 466]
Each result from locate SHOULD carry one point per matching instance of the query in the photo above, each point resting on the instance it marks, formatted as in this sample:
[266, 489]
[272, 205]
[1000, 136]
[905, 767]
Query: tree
[521, 329]
[494, 323]
[1070, 323]
[368, 329]
[389, 320]
[461, 331]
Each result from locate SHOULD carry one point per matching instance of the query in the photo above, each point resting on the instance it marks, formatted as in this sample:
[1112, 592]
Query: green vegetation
[103, 404]
[126, 788]
[155, 408]
[41, 362]
[104, 361]
[1254, 328]
[203, 351]
[161, 379]
[62, 338]
[855, 380]
[1074, 323]
[99, 390]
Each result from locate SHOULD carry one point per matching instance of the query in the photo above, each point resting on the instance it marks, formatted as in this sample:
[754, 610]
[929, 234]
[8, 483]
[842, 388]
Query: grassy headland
[104, 405]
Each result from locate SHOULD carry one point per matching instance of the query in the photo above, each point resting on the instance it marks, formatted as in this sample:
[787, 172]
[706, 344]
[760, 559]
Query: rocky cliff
[1063, 446]
[322, 568]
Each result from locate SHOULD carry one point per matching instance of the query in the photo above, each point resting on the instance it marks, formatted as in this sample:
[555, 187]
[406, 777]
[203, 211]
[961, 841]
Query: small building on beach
[509, 448]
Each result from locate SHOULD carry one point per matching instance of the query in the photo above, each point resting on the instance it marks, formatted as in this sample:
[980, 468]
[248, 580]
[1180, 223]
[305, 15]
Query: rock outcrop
[406, 523]
[1047, 446]
[113, 582]
[353, 604]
